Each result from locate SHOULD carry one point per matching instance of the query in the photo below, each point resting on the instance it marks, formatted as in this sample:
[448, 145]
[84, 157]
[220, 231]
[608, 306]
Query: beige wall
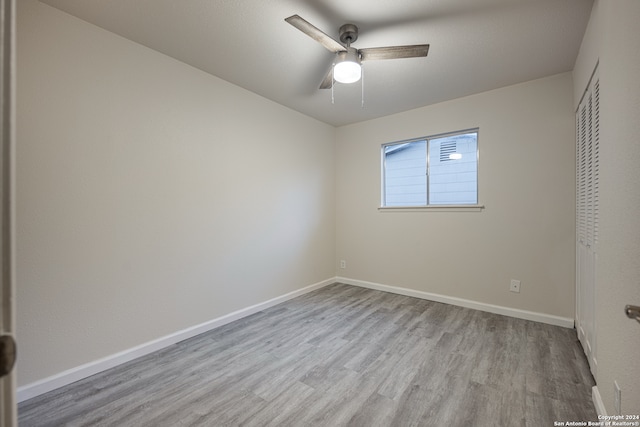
[526, 182]
[151, 196]
[613, 40]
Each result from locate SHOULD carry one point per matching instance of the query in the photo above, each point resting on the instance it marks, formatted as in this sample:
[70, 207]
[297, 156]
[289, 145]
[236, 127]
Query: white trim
[442, 208]
[597, 401]
[83, 371]
[497, 309]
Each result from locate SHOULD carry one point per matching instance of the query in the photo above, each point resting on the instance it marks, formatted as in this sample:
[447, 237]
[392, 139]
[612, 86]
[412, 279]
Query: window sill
[438, 208]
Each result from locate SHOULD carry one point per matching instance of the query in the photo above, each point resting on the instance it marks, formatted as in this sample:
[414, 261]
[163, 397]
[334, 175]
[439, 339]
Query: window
[433, 171]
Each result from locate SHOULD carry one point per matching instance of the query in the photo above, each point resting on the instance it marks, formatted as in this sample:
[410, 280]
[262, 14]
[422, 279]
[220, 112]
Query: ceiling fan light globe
[347, 68]
[347, 72]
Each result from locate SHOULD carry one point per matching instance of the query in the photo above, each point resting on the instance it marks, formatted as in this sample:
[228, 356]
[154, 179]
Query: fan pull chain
[362, 85]
[333, 82]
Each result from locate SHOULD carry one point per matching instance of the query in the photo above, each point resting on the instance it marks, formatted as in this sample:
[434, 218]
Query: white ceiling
[476, 45]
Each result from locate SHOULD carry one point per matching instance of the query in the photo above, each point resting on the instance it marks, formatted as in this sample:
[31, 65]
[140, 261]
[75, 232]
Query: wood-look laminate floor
[342, 356]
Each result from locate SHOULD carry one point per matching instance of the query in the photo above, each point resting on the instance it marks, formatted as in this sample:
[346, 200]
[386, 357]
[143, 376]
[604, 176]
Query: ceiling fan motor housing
[348, 34]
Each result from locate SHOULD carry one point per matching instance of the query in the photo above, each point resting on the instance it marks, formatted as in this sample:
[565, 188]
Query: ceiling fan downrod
[348, 34]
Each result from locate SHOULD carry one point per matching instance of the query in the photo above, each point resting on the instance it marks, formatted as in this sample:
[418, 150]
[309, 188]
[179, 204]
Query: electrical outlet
[343, 264]
[515, 285]
[617, 396]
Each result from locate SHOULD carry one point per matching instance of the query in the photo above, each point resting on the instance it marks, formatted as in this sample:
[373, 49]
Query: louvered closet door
[587, 216]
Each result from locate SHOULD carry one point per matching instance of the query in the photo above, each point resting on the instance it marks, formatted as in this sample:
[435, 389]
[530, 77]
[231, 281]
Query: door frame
[8, 405]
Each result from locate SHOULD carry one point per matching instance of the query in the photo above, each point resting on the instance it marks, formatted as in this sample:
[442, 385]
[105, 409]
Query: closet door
[587, 216]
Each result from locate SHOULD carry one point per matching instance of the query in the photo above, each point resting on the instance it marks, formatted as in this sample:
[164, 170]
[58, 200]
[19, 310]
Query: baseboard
[597, 401]
[506, 311]
[75, 374]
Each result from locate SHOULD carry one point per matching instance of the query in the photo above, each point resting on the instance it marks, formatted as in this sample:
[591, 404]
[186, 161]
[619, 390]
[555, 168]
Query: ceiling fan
[347, 65]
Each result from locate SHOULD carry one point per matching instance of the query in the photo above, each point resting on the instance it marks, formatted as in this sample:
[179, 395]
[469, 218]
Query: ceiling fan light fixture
[347, 68]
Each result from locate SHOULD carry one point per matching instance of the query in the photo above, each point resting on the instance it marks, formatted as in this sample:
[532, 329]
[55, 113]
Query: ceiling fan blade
[394, 52]
[328, 80]
[315, 33]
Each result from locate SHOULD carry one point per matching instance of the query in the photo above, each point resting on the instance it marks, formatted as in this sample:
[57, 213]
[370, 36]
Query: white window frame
[427, 207]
